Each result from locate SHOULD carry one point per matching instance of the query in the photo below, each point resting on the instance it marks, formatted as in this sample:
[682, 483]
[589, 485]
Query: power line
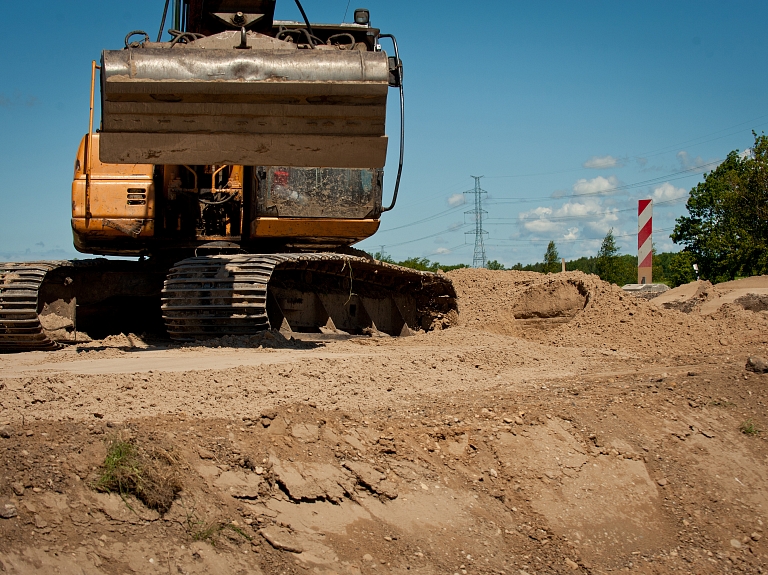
[583, 216]
[569, 240]
[478, 258]
[421, 221]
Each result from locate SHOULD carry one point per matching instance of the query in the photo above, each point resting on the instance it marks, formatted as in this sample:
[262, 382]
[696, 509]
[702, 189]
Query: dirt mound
[753, 302]
[577, 309]
[553, 299]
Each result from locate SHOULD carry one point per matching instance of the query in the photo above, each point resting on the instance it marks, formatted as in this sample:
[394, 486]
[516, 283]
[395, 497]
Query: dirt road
[562, 427]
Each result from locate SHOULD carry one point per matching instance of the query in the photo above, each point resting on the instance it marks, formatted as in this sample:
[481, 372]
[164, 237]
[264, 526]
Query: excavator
[234, 166]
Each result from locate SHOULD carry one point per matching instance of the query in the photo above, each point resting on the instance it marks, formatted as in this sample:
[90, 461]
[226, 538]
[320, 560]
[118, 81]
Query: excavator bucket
[244, 98]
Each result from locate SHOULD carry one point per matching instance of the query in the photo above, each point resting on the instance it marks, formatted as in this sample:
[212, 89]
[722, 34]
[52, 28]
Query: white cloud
[456, 200]
[455, 226]
[568, 220]
[541, 226]
[667, 191]
[598, 185]
[572, 234]
[686, 161]
[442, 251]
[601, 162]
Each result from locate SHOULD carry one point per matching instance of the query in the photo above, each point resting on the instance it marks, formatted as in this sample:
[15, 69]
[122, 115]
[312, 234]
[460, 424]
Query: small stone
[492, 472]
[367, 557]
[18, 488]
[755, 536]
[204, 453]
[572, 564]
[518, 421]
[387, 538]
[757, 364]
[40, 523]
[8, 510]
[735, 543]
[662, 482]
[508, 420]
[30, 433]
[6, 432]
[98, 415]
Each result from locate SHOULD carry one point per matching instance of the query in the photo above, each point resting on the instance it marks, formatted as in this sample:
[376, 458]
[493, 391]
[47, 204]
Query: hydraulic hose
[306, 21]
[402, 122]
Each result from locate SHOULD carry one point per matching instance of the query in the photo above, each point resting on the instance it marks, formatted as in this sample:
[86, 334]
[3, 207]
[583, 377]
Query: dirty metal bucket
[274, 106]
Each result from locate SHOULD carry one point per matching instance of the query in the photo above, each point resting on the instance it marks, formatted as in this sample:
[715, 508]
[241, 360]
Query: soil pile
[576, 309]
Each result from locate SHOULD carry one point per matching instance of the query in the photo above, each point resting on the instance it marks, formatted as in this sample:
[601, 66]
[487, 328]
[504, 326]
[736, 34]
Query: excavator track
[44, 304]
[215, 296]
[20, 326]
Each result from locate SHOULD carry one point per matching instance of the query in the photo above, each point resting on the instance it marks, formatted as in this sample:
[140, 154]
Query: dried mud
[562, 426]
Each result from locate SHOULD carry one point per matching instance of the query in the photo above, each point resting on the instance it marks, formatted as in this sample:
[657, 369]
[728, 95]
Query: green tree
[494, 265]
[608, 259]
[726, 231]
[681, 269]
[551, 259]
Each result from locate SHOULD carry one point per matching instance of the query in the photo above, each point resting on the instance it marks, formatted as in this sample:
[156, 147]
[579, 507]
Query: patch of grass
[151, 475]
[721, 403]
[210, 531]
[748, 427]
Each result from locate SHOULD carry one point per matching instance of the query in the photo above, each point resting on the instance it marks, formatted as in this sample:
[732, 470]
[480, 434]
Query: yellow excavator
[238, 161]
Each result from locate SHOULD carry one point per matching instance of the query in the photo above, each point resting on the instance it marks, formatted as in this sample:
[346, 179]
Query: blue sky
[571, 110]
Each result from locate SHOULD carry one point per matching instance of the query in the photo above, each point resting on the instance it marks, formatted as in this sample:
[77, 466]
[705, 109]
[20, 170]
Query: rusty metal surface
[244, 149]
[215, 296]
[272, 104]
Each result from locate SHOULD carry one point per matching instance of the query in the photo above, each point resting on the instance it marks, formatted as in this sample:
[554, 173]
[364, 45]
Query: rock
[305, 432]
[735, 543]
[366, 474]
[281, 539]
[757, 364]
[18, 488]
[6, 432]
[367, 557]
[8, 511]
[311, 481]
[572, 564]
[518, 421]
[662, 482]
[204, 453]
[40, 523]
[240, 484]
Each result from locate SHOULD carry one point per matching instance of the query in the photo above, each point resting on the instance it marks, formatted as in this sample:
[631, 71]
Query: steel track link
[20, 326]
[215, 296]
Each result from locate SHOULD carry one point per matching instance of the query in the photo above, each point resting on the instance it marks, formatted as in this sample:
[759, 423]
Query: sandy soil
[562, 427]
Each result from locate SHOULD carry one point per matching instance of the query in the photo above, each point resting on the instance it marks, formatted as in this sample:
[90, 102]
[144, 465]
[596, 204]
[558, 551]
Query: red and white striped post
[645, 241]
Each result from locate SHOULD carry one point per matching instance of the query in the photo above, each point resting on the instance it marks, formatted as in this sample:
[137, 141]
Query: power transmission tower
[478, 259]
